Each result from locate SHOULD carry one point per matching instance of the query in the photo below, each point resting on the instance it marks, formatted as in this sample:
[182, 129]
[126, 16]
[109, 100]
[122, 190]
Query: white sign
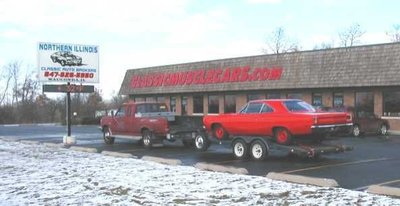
[73, 63]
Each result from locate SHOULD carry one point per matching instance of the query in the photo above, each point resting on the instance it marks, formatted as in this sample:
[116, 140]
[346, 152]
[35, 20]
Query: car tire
[201, 142]
[355, 131]
[147, 139]
[240, 149]
[383, 130]
[108, 139]
[282, 136]
[219, 132]
[258, 150]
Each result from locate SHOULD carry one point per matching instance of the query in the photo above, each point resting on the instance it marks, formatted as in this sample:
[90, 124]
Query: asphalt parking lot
[374, 160]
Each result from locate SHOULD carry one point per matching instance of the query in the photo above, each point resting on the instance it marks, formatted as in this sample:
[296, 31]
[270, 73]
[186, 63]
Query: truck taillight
[349, 118]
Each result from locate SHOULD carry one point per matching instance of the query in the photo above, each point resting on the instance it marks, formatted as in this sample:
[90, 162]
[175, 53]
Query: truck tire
[108, 139]
[240, 149]
[258, 150]
[147, 138]
[282, 136]
[219, 132]
[201, 142]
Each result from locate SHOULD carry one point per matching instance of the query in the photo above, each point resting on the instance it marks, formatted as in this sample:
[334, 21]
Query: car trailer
[259, 147]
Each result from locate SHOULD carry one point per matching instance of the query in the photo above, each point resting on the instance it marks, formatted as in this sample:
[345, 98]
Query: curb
[384, 190]
[56, 145]
[323, 182]
[118, 154]
[29, 142]
[84, 149]
[162, 160]
[220, 168]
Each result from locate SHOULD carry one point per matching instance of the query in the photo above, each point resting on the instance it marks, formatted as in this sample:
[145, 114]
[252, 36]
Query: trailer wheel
[240, 148]
[258, 150]
[108, 139]
[219, 132]
[147, 138]
[383, 129]
[355, 131]
[201, 142]
[283, 136]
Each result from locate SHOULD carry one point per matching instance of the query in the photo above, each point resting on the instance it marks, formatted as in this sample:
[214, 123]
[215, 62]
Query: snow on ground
[40, 175]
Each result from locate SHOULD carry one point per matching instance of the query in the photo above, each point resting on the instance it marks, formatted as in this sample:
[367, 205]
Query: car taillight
[315, 120]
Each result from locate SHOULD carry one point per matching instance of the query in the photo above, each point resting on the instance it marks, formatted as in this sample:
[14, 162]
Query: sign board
[73, 63]
[72, 88]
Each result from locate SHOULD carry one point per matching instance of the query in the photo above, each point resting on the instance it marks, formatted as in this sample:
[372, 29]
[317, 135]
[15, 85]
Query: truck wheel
[258, 150]
[240, 148]
[201, 142]
[219, 132]
[383, 130]
[355, 131]
[282, 136]
[147, 138]
[108, 139]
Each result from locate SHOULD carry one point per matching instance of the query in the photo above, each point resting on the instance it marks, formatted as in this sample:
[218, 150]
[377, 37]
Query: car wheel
[62, 63]
[356, 132]
[201, 142]
[147, 138]
[108, 139]
[383, 129]
[282, 136]
[258, 150]
[240, 149]
[219, 132]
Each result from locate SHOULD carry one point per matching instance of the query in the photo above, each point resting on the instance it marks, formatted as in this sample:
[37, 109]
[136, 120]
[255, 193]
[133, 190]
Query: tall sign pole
[68, 63]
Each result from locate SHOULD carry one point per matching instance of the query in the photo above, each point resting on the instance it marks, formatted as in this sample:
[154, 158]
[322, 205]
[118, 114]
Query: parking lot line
[336, 165]
[380, 184]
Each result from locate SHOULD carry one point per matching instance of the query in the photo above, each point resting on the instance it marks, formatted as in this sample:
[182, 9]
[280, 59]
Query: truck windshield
[298, 106]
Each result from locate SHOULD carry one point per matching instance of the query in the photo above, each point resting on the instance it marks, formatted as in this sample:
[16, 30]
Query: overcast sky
[137, 33]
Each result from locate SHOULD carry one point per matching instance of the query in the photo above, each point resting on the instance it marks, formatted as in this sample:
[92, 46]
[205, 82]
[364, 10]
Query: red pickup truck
[284, 120]
[150, 123]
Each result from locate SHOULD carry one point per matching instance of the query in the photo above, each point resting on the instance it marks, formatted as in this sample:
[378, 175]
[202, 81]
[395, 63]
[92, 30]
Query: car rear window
[150, 108]
[298, 106]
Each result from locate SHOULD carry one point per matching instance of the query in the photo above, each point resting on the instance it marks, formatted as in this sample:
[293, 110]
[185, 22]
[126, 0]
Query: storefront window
[138, 99]
[198, 106]
[254, 97]
[391, 104]
[338, 99]
[150, 99]
[172, 104]
[184, 105]
[364, 103]
[295, 96]
[213, 104]
[317, 99]
[273, 96]
[230, 104]
[161, 99]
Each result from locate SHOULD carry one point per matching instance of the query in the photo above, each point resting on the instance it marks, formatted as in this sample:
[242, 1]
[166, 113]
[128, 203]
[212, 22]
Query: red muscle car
[281, 119]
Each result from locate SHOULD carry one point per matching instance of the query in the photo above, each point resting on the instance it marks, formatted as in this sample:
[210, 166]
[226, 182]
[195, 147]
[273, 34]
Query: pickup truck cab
[148, 122]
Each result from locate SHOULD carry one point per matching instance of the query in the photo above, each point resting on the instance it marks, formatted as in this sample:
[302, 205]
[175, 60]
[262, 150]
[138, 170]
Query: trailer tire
[147, 138]
[201, 143]
[282, 136]
[240, 149]
[258, 150]
[108, 139]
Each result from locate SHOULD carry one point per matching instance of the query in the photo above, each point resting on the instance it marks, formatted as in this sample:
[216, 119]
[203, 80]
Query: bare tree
[6, 76]
[394, 34]
[351, 36]
[278, 42]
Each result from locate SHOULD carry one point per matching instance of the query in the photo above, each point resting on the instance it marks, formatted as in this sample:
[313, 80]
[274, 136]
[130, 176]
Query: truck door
[137, 119]
[118, 124]
[130, 123]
